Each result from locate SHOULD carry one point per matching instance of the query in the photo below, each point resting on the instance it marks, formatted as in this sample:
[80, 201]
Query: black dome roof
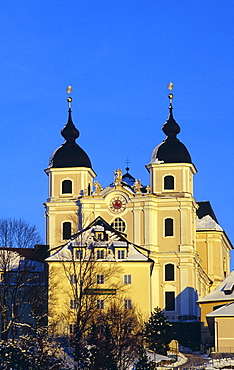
[171, 150]
[70, 154]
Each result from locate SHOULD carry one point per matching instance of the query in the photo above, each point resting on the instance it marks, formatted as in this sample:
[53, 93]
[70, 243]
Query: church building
[170, 249]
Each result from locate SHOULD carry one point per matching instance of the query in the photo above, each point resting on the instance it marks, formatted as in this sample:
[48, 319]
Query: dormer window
[67, 187]
[169, 182]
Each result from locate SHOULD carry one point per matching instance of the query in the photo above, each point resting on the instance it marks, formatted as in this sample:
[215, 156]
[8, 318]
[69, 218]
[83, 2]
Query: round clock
[117, 204]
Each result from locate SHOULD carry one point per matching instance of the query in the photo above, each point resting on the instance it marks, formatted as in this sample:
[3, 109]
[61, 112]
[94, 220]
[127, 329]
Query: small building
[210, 304]
[221, 325]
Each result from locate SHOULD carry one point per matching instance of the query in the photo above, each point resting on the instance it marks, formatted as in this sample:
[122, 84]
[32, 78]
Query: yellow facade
[182, 260]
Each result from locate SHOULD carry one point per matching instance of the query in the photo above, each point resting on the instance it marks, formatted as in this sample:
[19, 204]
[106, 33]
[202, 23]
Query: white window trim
[127, 304]
[169, 190]
[128, 279]
[100, 280]
[100, 302]
[61, 187]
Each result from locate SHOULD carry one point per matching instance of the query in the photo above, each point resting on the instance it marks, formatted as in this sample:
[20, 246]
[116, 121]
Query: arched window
[169, 272]
[66, 187]
[169, 182]
[169, 227]
[118, 224]
[66, 230]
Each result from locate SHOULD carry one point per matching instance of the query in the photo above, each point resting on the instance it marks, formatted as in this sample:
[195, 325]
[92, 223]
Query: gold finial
[69, 89]
[69, 99]
[170, 86]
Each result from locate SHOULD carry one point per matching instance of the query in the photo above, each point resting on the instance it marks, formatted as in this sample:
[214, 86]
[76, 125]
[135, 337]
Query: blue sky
[119, 57]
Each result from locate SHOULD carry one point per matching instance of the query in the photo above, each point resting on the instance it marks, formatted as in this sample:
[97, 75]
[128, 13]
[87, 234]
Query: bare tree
[18, 272]
[115, 337]
[93, 281]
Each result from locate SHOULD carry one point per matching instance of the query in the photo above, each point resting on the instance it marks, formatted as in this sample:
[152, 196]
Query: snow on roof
[227, 310]
[223, 292]
[207, 223]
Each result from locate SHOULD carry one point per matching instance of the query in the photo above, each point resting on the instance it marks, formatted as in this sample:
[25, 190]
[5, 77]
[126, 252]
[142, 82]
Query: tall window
[169, 272]
[170, 301]
[79, 254]
[72, 329]
[100, 254]
[73, 304]
[121, 254]
[66, 230]
[169, 182]
[127, 304]
[127, 279]
[118, 224]
[100, 304]
[100, 279]
[168, 227]
[72, 279]
[66, 187]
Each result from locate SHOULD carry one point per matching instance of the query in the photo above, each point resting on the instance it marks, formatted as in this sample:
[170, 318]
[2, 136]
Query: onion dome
[171, 150]
[70, 154]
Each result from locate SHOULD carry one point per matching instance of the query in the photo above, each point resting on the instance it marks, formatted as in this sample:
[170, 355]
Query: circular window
[119, 225]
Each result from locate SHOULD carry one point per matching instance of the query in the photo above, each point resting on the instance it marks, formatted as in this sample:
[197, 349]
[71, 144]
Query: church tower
[173, 220]
[70, 175]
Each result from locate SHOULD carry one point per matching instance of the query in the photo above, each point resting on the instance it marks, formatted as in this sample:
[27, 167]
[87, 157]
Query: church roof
[206, 209]
[70, 154]
[223, 292]
[171, 150]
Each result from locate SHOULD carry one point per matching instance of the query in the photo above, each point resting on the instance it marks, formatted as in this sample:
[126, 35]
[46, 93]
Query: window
[79, 254]
[119, 225]
[127, 304]
[66, 187]
[100, 304]
[66, 230]
[127, 279]
[168, 227]
[99, 236]
[72, 329]
[121, 255]
[169, 182]
[169, 272]
[100, 254]
[170, 301]
[72, 279]
[100, 279]
[73, 304]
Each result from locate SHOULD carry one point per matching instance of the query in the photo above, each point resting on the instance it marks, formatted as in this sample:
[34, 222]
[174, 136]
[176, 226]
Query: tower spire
[70, 132]
[171, 127]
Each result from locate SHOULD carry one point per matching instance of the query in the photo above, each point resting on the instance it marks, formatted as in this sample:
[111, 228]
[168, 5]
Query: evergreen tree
[143, 362]
[158, 332]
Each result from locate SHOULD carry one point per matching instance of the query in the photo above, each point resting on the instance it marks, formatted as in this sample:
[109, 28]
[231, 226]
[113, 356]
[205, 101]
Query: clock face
[117, 204]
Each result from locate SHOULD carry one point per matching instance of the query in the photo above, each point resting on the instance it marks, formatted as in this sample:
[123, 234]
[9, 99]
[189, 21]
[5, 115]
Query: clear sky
[119, 56]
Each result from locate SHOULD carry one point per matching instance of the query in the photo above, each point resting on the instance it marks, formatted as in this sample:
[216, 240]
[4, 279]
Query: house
[222, 296]
[23, 290]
